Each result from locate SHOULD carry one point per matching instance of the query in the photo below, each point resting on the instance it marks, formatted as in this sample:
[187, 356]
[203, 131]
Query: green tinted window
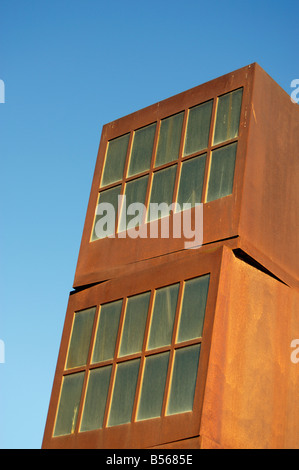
[198, 128]
[69, 404]
[162, 190]
[124, 392]
[135, 192]
[142, 149]
[228, 116]
[107, 331]
[106, 213]
[193, 308]
[169, 139]
[115, 160]
[153, 385]
[222, 172]
[95, 401]
[134, 325]
[80, 338]
[163, 316]
[191, 181]
[183, 380]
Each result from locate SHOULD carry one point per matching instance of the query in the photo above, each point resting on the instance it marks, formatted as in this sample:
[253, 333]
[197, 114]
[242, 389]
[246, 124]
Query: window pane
[107, 331]
[80, 339]
[193, 308]
[163, 316]
[191, 181]
[69, 404]
[198, 128]
[222, 172]
[142, 149]
[124, 393]
[169, 139]
[115, 160]
[183, 380]
[104, 224]
[228, 116]
[135, 192]
[134, 326]
[153, 385]
[162, 190]
[95, 401]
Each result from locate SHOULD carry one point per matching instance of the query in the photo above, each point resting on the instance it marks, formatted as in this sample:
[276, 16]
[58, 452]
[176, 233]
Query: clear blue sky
[70, 66]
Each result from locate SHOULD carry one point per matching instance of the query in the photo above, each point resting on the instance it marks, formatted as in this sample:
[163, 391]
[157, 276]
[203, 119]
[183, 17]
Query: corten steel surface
[251, 393]
[152, 432]
[269, 218]
[103, 259]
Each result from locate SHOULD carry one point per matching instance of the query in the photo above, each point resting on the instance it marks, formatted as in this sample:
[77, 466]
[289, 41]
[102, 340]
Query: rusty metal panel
[252, 384]
[269, 218]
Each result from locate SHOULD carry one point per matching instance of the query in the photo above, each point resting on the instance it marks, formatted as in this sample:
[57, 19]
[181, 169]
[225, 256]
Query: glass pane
[169, 139]
[104, 224]
[135, 192]
[198, 128]
[153, 385]
[115, 160]
[134, 326]
[222, 171]
[162, 190]
[124, 393]
[163, 316]
[228, 116]
[69, 404]
[191, 181]
[142, 149]
[80, 338]
[183, 380]
[107, 331]
[95, 401]
[193, 308]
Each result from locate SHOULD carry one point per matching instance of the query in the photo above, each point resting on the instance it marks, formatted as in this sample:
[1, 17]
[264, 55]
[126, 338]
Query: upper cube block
[229, 144]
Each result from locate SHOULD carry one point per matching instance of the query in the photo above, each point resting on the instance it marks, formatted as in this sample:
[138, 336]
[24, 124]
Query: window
[198, 128]
[69, 404]
[188, 157]
[222, 172]
[228, 116]
[135, 192]
[115, 160]
[191, 181]
[106, 225]
[142, 148]
[133, 359]
[169, 139]
[163, 187]
[81, 334]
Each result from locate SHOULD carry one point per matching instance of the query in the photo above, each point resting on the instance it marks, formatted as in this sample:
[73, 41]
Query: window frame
[154, 431]
[181, 158]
